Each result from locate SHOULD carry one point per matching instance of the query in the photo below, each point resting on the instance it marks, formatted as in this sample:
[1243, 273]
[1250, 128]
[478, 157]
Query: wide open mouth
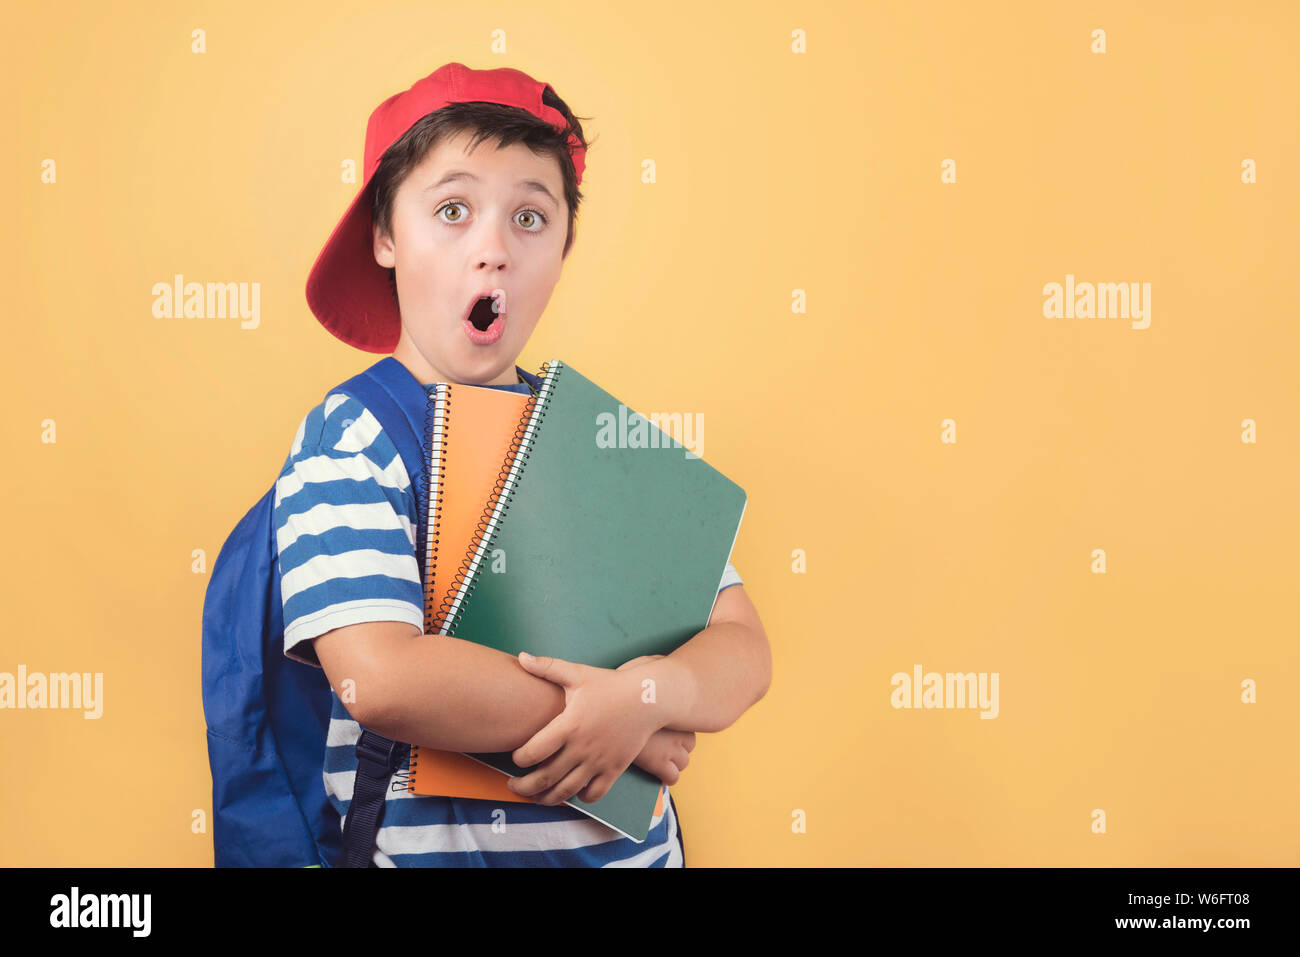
[483, 313]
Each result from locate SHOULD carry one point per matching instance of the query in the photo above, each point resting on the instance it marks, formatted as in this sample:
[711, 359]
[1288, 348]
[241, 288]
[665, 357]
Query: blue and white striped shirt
[346, 520]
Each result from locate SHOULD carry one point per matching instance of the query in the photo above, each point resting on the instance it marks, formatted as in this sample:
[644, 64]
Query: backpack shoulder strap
[393, 396]
[397, 400]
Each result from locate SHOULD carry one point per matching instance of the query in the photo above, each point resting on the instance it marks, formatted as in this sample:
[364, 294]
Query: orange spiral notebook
[471, 434]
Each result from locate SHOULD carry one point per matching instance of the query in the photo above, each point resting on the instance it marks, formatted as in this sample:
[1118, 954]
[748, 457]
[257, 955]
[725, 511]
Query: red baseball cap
[346, 289]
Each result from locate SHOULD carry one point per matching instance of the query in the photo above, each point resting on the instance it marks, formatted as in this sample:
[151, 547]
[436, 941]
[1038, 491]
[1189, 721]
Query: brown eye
[447, 206]
[533, 217]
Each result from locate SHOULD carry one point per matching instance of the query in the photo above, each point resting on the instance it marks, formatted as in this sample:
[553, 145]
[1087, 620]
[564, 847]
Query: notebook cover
[466, 449]
[468, 446]
[616, 540]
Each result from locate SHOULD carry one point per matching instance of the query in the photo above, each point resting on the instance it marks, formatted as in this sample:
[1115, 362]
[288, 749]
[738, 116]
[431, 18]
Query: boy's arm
[435, 691]
[411, 687]
[497, 714]
[720, 673]
[707, 683]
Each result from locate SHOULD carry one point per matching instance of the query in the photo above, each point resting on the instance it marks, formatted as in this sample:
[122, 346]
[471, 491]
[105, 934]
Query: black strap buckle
[379, 750]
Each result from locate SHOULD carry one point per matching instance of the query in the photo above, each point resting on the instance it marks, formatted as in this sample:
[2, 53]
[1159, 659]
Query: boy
[470, 175]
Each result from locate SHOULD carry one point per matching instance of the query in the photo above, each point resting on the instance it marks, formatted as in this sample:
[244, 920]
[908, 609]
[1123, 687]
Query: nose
[493, 254]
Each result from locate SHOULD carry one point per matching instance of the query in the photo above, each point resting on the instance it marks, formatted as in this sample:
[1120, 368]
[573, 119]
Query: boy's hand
[666, 754]
[604, 726]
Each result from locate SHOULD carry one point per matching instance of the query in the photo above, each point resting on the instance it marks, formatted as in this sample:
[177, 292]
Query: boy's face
[452, 241]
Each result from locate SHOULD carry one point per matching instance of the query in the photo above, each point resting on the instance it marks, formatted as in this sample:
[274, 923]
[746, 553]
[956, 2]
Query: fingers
[541, 779]
[681, 759]
[681, 739]
[558, 670]
[569, 785]
[664, 768]
[596, 789]
[543, 744]
[664, 757]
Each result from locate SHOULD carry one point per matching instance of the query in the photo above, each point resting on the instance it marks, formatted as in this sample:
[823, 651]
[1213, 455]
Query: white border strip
[437, 443]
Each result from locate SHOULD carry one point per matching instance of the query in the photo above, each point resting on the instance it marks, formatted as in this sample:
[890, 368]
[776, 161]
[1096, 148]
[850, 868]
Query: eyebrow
[532, 185]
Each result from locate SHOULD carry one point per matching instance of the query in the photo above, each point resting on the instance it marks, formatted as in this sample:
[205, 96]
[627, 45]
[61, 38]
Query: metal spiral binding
[437, 416]
[549, 373]
[412, 761]
[436, 440]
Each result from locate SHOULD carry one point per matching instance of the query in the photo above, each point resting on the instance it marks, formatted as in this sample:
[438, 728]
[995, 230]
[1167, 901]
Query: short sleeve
[344, 517]
[729, 577]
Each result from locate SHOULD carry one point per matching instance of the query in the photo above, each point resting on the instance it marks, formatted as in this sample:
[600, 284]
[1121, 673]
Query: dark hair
[505, 124]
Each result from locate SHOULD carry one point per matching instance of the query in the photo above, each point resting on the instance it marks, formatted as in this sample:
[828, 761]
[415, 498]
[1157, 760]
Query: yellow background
[776, 171]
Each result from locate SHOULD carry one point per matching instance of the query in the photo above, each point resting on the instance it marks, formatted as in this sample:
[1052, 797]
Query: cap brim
[348, 291]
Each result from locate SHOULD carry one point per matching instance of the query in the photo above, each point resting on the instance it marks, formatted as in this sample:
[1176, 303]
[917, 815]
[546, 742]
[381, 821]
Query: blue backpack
[267, 715]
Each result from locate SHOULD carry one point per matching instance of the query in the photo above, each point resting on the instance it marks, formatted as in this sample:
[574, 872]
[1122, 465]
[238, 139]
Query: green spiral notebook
[603, 540]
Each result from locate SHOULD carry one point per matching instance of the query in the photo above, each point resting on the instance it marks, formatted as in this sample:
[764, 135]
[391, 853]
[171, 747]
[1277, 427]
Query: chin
[476, 370]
